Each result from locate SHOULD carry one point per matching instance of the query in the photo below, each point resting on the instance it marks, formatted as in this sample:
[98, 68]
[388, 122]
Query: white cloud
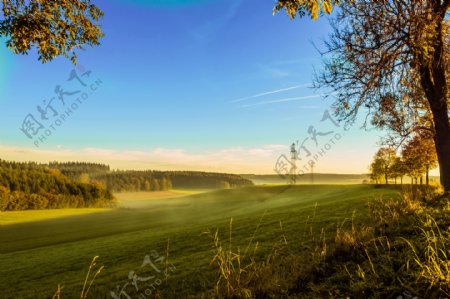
[237, 159]
[233, 159]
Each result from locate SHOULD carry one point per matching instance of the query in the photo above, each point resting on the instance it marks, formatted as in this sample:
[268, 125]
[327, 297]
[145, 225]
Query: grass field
[41, 249]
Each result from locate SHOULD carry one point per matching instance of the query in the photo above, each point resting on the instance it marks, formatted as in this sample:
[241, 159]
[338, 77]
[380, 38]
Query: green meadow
[41, 249]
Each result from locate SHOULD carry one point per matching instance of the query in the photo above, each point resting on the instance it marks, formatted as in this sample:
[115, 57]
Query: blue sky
[207, 85]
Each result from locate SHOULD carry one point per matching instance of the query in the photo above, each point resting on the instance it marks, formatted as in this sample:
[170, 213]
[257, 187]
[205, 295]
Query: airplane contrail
[285, 100]
[269, 92]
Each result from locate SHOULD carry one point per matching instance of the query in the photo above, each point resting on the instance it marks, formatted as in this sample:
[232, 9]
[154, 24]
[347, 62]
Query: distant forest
[77, 184]
[148, 180]
[25, 186]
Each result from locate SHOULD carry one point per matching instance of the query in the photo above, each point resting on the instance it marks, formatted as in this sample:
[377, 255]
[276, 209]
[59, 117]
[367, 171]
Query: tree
[391, 49]
[4, 198]
[428, 154]
[398, 169]
[155, 185]
[147, 186]
[419, 156]
[382, 164]
[84, 178]
[54, 28]
[376, 170]
[412, 161]
[165, 184]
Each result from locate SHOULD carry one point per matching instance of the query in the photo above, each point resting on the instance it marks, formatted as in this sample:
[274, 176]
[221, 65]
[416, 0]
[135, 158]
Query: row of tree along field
[415, 159]
[77, 185]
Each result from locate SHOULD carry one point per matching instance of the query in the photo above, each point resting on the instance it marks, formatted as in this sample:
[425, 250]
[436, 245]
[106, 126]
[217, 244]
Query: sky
[212, 85]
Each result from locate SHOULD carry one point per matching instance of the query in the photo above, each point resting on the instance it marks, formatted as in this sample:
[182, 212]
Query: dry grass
[88, 281]
[431, 256]
[399, 250]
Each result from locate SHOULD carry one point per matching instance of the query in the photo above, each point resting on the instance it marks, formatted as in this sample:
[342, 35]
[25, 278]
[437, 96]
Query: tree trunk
[395, 181]
[427, 175]
[386, 178]
[442, 141]
[434, 83]
[421, 181]
[401, 180]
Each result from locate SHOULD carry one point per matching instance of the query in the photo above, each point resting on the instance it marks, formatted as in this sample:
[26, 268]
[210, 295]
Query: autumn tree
[398, 170]
[389, 56]
[429, 156]
[420, 156]
[412, 160]
[376, 170]
[4, 198]
[53, 28]
[383, 163]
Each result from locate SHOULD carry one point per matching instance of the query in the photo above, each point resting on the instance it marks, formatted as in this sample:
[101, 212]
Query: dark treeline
[148, 180]
[195, 179]
[120, 181]
[37, 186]
[164, 180]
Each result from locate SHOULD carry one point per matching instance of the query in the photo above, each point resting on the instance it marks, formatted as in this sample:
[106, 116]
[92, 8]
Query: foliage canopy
[54, 28]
